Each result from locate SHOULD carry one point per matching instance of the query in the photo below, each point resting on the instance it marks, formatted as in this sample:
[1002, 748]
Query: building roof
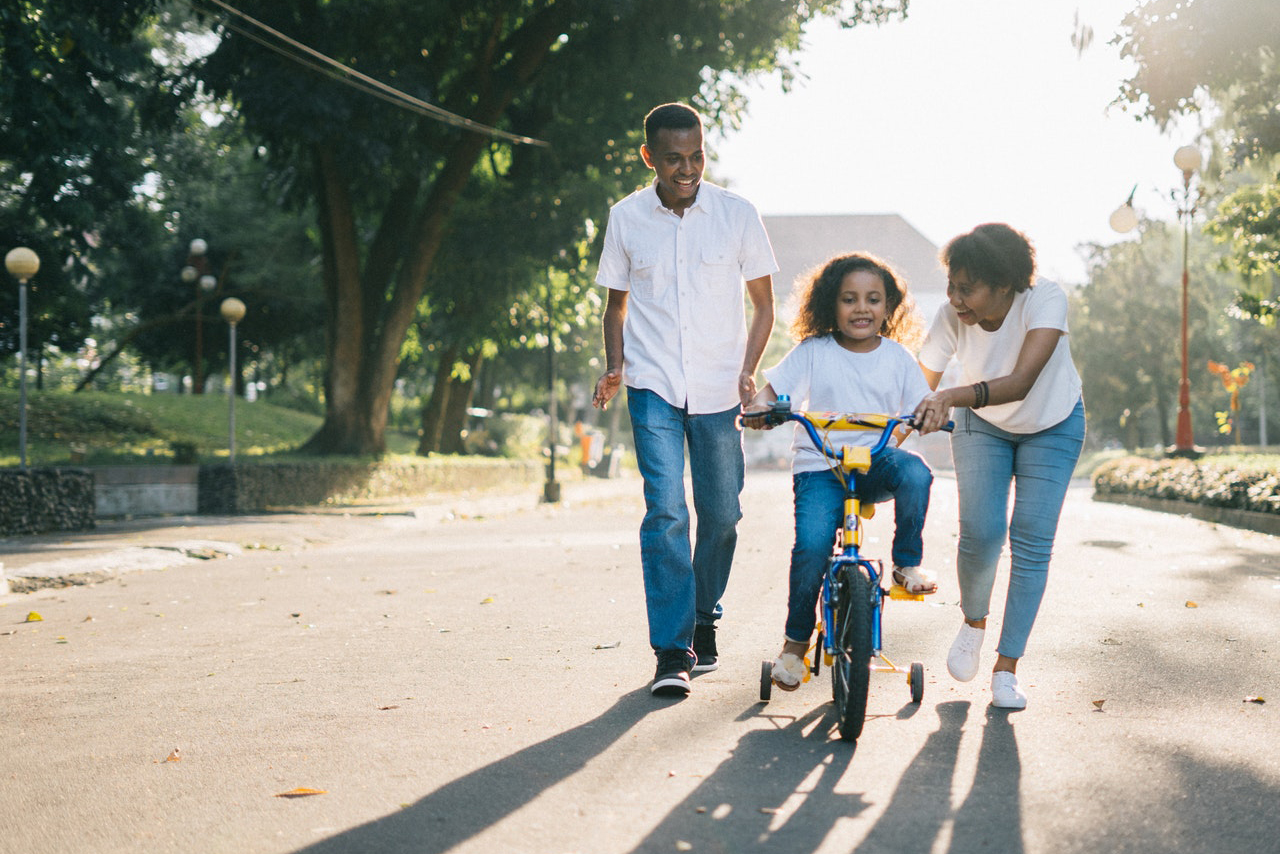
[802, 242]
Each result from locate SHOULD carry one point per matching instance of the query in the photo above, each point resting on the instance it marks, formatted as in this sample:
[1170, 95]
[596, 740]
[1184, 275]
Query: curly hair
[994, 253]
[816, 298]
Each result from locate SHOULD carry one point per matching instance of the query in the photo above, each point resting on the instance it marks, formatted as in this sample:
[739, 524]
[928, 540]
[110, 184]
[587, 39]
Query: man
[676, 254]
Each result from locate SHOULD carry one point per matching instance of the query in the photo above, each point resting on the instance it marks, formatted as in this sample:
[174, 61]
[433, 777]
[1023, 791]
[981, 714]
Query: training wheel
[915, 681]
[766, 680]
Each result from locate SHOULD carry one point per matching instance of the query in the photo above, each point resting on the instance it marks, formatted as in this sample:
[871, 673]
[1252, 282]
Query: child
[848, 361]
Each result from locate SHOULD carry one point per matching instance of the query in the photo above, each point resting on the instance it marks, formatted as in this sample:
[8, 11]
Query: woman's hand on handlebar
[933, 413]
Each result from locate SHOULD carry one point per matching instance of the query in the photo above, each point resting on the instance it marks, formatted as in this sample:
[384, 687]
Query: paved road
[474, 681]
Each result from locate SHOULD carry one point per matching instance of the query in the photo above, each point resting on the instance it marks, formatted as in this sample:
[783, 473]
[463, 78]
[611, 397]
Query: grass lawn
[114, 428]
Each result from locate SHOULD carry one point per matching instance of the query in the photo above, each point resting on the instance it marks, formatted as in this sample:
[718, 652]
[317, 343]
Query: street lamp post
[232, 312]
[1187, 159]
[1123, 219]
[22, 264]
[196, 272]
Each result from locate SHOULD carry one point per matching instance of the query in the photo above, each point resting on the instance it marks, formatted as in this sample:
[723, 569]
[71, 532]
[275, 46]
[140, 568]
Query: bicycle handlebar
[780, 413]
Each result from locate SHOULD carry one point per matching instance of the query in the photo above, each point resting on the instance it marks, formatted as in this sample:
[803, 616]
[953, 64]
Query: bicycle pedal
[897, 591]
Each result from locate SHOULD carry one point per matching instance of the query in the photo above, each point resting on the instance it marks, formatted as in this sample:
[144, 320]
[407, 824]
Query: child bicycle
[849, 629]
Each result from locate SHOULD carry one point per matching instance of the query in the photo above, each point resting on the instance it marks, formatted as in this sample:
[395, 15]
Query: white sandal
[789, 671]
[915, 580]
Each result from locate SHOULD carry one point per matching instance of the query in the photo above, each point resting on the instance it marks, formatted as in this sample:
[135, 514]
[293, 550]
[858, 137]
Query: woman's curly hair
[816, 299]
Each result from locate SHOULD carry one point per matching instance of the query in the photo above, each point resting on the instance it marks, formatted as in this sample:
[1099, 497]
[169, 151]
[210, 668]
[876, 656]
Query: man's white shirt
[685, 333]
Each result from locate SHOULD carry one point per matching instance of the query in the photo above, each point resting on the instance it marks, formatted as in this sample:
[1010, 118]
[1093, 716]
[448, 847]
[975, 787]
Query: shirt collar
[703, 202]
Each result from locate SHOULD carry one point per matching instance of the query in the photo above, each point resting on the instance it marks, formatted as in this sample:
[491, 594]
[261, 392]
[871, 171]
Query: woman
[1022, 423]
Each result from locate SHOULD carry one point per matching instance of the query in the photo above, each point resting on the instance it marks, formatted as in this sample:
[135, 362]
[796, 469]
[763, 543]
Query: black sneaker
[704, 647]
[672, 676]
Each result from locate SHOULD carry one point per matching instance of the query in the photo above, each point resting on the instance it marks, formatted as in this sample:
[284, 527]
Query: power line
[361, 82]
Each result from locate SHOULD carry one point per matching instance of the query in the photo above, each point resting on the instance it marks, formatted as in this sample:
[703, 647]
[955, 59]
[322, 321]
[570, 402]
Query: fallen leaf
[488, 600]
[34, 617]
[387, 708]
[1191, 604]
[1257, 700]
[613, 645]
[87, 620]
[1098, 704]
[300, 792]
[175, 756]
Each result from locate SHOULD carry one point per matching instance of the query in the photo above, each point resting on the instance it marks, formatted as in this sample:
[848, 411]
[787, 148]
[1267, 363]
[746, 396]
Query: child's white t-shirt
[987, 355]
[820, 375]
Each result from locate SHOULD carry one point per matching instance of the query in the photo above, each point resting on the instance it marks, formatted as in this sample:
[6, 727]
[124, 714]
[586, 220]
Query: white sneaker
[966, 650]
[1005, 693]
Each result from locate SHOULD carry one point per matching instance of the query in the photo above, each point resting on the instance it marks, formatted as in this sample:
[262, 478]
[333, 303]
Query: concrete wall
[145, 490]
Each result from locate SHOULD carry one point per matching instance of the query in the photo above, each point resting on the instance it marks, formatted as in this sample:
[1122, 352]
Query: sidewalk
[117, 546]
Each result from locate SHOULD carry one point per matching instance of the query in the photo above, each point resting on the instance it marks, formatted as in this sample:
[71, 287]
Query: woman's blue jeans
[819, 502]
[683, 585]
[1039, 466]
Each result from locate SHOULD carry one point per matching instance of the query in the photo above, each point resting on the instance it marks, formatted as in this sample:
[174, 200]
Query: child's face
[860, 311]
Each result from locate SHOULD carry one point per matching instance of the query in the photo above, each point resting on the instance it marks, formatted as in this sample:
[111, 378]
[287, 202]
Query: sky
[969, 111]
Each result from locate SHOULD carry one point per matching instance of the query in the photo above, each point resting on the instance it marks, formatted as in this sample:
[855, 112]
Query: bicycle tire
[851, 669]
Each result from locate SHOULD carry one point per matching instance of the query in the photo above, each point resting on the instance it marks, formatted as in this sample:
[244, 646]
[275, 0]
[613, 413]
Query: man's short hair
[669, 117]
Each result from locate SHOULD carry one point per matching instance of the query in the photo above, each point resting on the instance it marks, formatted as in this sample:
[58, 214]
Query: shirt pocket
[718, 271]
[646, 276]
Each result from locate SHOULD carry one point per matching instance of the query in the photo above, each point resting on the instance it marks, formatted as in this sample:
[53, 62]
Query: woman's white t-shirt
[820, 375]
[987, 355]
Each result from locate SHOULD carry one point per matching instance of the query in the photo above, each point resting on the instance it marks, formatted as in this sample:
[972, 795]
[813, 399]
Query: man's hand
[606, 387]
[746, 388]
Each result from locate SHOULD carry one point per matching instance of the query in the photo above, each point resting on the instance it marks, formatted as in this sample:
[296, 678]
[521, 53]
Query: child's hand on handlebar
[755, 416]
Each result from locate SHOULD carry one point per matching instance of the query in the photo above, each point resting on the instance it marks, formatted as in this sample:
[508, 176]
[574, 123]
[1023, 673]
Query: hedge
[1239, 482]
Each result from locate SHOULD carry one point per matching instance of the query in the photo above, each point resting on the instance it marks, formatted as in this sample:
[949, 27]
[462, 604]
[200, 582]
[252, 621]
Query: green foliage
[1220, 56]
[1125, 339]
[79, 90]
[412, 207]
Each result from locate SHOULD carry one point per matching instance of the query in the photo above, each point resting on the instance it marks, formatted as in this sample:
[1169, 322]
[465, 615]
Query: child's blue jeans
[819, 503]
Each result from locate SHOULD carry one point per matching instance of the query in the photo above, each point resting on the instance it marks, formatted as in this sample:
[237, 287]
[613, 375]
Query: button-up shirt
[685, 333]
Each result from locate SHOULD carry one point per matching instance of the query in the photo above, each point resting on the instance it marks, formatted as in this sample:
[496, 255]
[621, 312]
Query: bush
[1248, 482]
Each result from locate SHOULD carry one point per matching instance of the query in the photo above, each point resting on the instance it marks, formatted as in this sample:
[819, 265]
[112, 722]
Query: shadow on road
[776, 792]
[779, 792]
[990, 819]
[467, 806]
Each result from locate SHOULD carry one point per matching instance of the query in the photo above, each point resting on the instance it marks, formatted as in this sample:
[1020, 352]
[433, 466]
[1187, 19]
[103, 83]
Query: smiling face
[677, 159]
[976, 302]
[860, 311]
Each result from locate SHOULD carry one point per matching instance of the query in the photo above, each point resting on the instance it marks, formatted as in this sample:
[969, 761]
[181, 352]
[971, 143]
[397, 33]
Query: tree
[386, 182]
[1125, 325]
[1192, 55]
[79, 89]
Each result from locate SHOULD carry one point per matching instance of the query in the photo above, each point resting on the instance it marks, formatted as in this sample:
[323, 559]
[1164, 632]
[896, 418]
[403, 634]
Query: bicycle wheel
[851, 669]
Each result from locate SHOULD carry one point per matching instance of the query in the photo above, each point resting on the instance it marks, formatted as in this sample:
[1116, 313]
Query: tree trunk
[461, 392]
[369, 314]
[433, 409]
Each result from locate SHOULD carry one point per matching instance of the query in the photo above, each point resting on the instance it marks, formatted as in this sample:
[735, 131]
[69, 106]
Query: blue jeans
[1039, 465]
[683, 585]
[819, 498]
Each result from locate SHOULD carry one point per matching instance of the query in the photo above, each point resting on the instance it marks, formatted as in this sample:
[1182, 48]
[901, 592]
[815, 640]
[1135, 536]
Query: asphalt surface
[470, 675]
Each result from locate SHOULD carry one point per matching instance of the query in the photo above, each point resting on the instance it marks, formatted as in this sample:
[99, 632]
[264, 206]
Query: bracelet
[981, 394]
